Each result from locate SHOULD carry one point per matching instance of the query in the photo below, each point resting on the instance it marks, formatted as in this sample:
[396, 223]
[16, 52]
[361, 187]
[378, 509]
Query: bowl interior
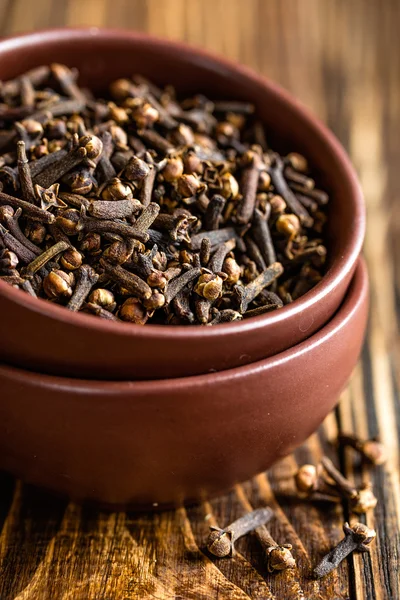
[104, 55]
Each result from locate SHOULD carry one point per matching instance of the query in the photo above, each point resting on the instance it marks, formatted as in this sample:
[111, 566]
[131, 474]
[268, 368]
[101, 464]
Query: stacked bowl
[141, 416]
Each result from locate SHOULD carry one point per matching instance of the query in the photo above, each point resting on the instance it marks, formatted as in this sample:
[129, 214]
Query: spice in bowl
[147, 208]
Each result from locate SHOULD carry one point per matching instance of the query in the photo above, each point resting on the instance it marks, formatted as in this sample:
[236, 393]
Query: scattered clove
[372, 451]
[221, 542]
[278, 556]
[360, 500]
[357, 539]
[312, 486]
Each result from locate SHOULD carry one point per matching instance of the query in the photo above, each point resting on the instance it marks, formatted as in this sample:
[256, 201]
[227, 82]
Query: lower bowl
[171, 441]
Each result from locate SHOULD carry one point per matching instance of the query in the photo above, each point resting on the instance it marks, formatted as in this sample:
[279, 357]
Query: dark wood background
[342, 59]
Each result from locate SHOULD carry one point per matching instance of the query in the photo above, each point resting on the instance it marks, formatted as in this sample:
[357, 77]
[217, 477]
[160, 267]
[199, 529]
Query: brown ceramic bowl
[47, 338]
[144, 442]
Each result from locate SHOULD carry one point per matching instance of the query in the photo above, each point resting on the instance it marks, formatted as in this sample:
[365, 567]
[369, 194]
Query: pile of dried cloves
[146, 209]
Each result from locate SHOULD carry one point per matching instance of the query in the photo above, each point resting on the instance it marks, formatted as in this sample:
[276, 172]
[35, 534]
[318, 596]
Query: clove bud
[221, 542]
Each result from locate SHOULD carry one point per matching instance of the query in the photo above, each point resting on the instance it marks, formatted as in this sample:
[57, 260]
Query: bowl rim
[340, 267]
[356, 296]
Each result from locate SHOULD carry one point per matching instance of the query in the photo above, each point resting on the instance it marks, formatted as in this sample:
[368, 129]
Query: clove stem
[282, 188]
[221, 542]
[357, 538]
[24, 173]
[262, 237]
[278, 556]
[178, 283]
[29, 210]
[23, 253]
[130, 281]
[56, 170]
[44, 258]
[246, 294]
[14, 228]
[87, 278]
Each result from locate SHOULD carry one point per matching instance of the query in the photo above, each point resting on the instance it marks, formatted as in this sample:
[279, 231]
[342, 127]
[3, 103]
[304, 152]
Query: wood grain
[342, 59]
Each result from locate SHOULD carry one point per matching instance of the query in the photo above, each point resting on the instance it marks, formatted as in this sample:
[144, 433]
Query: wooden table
[342, 59]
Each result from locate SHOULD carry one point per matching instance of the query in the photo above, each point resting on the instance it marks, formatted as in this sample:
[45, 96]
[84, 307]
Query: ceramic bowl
[42, 336]
[176, 440]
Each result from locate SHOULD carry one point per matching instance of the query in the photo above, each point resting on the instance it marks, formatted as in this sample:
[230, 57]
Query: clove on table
[357, 539]
[221, 542]
[326, 483]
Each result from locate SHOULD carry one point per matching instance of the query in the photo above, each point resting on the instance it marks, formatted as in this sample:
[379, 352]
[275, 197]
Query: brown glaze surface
[166, 441]
[49, 339]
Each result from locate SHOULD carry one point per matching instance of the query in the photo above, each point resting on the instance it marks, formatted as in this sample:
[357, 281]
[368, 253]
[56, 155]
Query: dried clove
[278, 556]
[262, 237]
[57, 169]
[129, 281]
[216, 263]
[360, 500]
[249, 184]
[29, 210]
[221, 542]
[24, 173]
[133, 311]
[147, 186]
[113, 209]
[148, 216]
[205, 252]
[283, 189]
[14, 280]
[179, 283]
[88, 224]
[28, 288]
[261, 310]
[181, 304]
[357, 539]
[10, 219]
[58, 284]
[372, 451]
[319, 196]
[213, 212]
[246, 294]
[292, 175]
[67, 81]
[41, 260]
[99, 311]
[87, 278]
[23, 253]
[226, 315]
[311, 485]
[215, 237]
